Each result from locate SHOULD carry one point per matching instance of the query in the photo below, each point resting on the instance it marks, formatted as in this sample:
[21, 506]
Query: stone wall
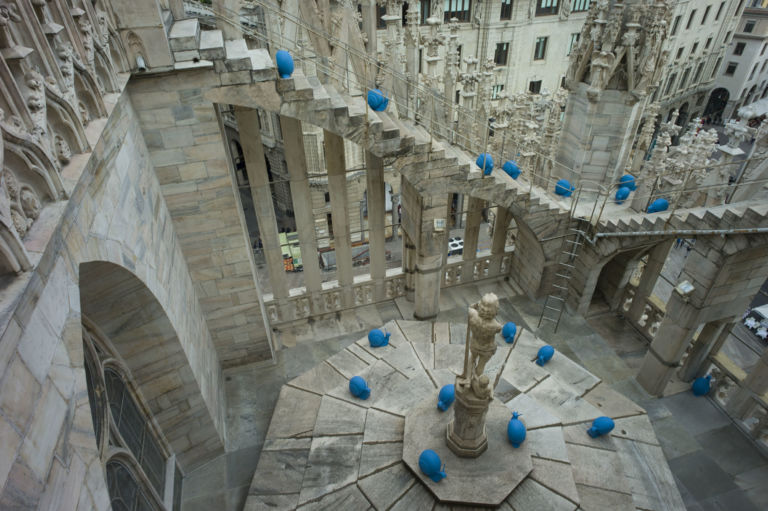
[116, 214]
[186, 148]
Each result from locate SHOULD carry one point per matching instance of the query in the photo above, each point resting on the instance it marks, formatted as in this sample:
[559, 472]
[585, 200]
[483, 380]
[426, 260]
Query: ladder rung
[568, 265]
[557, 298]
[572, 254]
[563, 276]
[551, 308]
[559, 287]
[574, 242]
[549, 319]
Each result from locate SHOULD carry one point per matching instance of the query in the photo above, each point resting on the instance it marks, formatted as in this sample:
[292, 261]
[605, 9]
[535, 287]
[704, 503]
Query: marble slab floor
[714, 464]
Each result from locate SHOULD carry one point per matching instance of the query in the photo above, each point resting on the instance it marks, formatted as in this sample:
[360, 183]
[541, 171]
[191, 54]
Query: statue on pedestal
[466, 435]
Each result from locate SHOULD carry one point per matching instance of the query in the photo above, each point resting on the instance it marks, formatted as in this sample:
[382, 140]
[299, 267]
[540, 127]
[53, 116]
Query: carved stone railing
[484, 267]
[653, 312]
[727, 380]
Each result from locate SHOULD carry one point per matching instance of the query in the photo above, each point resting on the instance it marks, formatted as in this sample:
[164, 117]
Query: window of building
[708, 43]
[579, 5]
[676, 25]
[754, 69]
[762, 52]
[727, 38]
[679, 53]
[706, 13]
[765, 62]
[731, 68]
[717, 67]
[694, 48]
[749, 26]
[425, 10]
[496, 91]
[381, 11]
[684, 79]
[458, 97]
[458, 51]
[690, 19]
[739, 49]
[535, 86]
[502, 51]
[670, 83]
[459, 9]
[573, 42]
[506, 10]
[327, 197]
[697, 75]
[719, 11]
[540, 51]
[546, 7]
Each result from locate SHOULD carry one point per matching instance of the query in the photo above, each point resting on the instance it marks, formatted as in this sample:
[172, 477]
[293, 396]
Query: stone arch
[131, 317]
[718, 100]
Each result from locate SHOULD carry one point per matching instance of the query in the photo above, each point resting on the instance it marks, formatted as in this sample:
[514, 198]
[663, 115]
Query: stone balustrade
[652, 314]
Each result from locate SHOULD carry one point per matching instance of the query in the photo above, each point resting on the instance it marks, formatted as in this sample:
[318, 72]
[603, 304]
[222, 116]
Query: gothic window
[573, 42]
[496, 91]
[506, 10]
[502, 51]
[719, 11]
[675, 25]
[381, 11]
[425, 10]
[731, 69]
[547, 7]
[694, 48]
[749, 26]
[134, 457]
[762, 52]
[579, 5]
[739, 49]
[690, 19]
[679, 53]
[670, 83]
[717, 66]
[706, 14]
[540, 51]
[754, 69]
[708, 43]
[535, 86]
[459, 9]
[698, 73]
[684, 79]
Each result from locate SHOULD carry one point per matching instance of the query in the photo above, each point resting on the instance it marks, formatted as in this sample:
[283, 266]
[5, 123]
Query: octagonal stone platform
[485, 480]
[326, 449]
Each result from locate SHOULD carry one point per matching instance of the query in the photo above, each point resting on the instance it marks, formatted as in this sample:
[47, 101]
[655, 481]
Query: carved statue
[86, 29]
[36, 100]
[65, 53]
[63, 152]
[482, 328]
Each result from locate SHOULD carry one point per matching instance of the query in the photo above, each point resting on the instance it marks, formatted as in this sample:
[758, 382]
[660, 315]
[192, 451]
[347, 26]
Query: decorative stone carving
[36, 101]
[65, 53]
[63, 152]
[86, 31]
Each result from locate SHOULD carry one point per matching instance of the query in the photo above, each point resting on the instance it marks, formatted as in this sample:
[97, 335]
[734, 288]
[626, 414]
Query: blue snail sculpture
[508, 332]
[486, 159]
[564, 188]
[622, 194]
[701, 385]
[545, 354]
[431, 465]
[515, 430]
[658, 206]
[284, 63]
[359, 388]
[378, 338]
[628, 180]
[601, 426]
[512, 169]
[446, 396]
[377, 100]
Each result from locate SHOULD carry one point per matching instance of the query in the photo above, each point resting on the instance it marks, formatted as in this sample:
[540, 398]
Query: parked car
[455, 246]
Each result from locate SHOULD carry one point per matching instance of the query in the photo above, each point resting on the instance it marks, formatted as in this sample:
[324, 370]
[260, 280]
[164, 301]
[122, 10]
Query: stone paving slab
[347, 364]
[532, 414]
[349, 497]
[338, 417]
[415, 329]
[450, 357]
[259, 502]
[597, 468]
[577, 434]
[572, 373]
[599, 499]
[378, 376]
[611, 403]
[561, 401]
[426, 353]
[404, 359]
[333, 463]
[415, 498]
[637, 427]
[649, 476]
[555, 475]
[522, 373]
[366, 356]
[547, 443]
[320, 379]
[280, 472]
[383, 427]
[532, 495]
[295, 413]
[384, 488]
[377, 457]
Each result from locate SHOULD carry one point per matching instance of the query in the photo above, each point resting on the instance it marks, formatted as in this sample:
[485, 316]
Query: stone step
[389, 130]
[167, 17]
[185, 35]
[321, 100]
[212, 45]
[295, 88]
[262, 67]
[338, 105]
[236, 56]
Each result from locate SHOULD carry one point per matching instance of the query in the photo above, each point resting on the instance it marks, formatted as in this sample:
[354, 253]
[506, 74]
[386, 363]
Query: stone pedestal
[465, 434]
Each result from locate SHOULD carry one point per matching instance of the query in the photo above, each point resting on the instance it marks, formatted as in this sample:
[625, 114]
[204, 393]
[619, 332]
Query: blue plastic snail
[564, 188]
[431, 465]
[658, 206]
[508, 332]
[284, 63]
[628, 180]
[515, 430]
[446, 396]
[701, 385]
[511, 168]
[545, 354]
[378, 338]
[359, 388]
[622, 194]
[487, 160]
[601, 426]
[377, 100]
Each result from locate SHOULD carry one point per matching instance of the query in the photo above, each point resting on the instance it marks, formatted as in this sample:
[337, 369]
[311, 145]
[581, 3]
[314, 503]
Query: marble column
[755, 384]
[256, 167]
[370, 14]
[499, 240]
[431, 257]
[337, 187]
[409, 266]
[671, 341]
[656, 258]
[376, 212]
[472, 230]
[296, 162]
[712, 336]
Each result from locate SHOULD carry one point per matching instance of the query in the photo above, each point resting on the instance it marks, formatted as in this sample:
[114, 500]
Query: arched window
[136, 458]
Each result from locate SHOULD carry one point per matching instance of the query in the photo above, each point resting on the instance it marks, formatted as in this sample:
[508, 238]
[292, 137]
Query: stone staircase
[431, 165]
